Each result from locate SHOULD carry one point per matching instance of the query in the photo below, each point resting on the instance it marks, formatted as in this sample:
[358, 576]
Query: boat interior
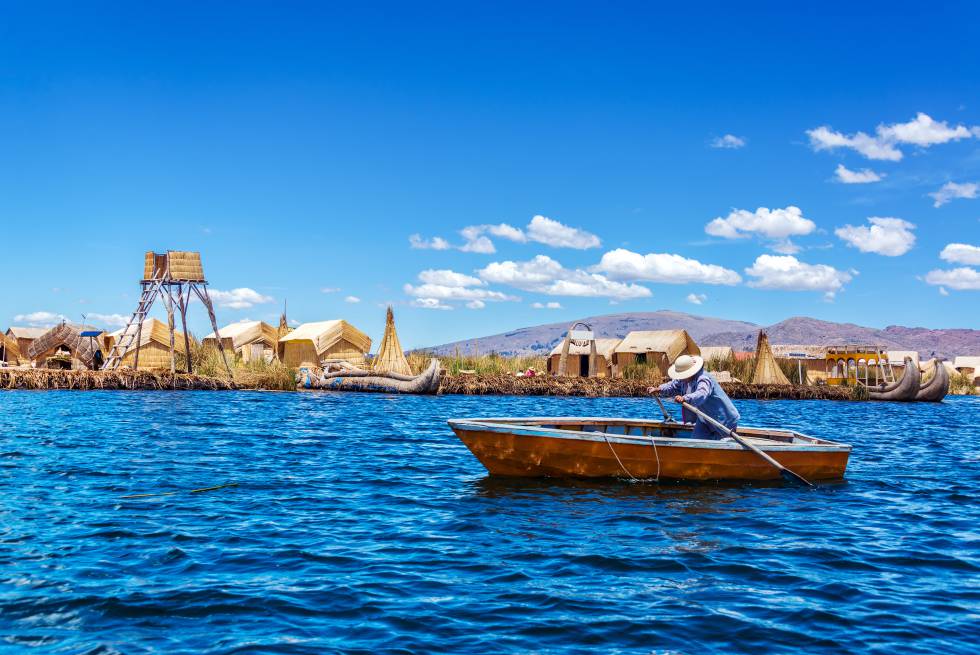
[649, 428]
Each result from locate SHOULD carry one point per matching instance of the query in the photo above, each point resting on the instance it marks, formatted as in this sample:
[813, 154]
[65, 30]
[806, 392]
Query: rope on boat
[623, 466]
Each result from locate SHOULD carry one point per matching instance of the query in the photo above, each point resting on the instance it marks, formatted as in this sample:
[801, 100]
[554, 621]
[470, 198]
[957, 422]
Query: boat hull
[518, 451]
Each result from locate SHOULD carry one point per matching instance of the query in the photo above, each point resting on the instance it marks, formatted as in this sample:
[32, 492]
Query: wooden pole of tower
[202, 293]
[182, 302]
[139, 337]
[168, 301]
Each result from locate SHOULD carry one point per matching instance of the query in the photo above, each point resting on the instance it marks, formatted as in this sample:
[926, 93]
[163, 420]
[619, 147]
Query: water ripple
[359, 524]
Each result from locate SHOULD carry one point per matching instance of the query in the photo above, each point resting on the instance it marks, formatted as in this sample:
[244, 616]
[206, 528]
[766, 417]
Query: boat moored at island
[641, 449]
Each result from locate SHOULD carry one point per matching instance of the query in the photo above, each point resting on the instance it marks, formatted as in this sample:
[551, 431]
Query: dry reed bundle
[541, 385]
[273, 378]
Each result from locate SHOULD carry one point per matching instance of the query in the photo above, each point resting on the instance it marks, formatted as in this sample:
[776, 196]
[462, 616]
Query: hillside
[717, 332]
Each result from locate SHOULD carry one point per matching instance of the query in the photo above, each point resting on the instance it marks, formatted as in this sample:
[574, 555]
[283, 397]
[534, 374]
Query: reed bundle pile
[119, 379]
[543, 385]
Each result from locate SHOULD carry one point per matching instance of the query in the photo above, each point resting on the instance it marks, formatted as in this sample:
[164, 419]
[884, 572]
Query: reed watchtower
[172, 276]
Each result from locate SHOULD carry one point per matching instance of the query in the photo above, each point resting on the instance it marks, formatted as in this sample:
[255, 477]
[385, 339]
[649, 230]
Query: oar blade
[789, 476]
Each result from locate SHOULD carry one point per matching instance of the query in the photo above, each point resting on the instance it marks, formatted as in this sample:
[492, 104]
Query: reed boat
[353, 379]
[641, 449]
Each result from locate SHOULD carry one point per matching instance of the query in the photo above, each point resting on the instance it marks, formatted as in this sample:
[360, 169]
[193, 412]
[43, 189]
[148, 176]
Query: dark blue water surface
[360, 524]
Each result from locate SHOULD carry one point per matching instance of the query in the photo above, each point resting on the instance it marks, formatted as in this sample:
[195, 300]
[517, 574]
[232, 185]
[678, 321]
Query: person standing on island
[690, 383]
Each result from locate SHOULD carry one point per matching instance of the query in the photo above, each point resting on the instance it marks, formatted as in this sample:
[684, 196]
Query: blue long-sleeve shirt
[704, 392]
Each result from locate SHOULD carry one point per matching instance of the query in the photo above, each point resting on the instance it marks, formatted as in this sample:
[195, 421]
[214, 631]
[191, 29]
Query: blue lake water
[360, 524]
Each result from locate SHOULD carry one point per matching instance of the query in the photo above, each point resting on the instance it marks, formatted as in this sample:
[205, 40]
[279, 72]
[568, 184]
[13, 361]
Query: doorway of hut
[583, 366]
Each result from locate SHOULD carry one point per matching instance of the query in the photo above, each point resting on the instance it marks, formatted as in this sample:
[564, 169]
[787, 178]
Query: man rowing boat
[691, 383]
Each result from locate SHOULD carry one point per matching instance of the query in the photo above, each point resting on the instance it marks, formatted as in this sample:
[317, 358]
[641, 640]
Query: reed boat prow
[600, 447]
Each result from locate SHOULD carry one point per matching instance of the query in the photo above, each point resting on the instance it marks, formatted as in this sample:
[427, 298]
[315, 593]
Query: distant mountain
[542, 338]
[722, 332]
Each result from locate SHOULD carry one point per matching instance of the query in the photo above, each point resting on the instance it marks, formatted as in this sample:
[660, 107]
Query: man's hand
[653, 391]
[678, 399]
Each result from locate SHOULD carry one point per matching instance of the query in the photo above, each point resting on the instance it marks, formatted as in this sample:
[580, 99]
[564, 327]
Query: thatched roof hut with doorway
[63, 346]
[253, 341]
[9, 351]
[154, 345]
[656, 347]
[577, 364]
[312, 344]
[24, 337]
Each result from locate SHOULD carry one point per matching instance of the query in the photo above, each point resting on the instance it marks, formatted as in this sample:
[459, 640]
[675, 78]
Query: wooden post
[168, 301]
[182, 302]
[202, 293]
[139, 337]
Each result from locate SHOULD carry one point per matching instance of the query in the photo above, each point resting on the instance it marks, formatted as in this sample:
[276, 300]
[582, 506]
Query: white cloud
[885, 236]
[476, 304]
[952, 190]
[962, 279]
[241, 298]
[353, 300]
[921, 131]
[430, 303]
[943, 292]
[662, 267]
[545, 275]
[481, 245]
[449, 285]
[40, 319]
[696, 298]
[775, 224]
[863, 176]
[790, 274]
[329, 289]
[110, 320]
[546, 305]
[506, 231]
[558, 235]
[729, 141]
[961, 253]
[446, 277]
[435, 243]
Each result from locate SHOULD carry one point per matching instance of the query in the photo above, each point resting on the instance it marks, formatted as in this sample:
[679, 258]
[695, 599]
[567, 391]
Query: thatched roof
[26, 332]
[70, 336]
[245, 332]
[962, 362]
[9, 344]
[669, 342]
[182, 265]
[325, 334]
[898, 356]
[391, 357]
[717, 352]
[766, 370]
[794, 350]
[604, 347]
[153, 331]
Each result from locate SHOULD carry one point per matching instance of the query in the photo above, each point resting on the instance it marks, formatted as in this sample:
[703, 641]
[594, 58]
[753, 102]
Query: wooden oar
[786, 474]
[667, 416]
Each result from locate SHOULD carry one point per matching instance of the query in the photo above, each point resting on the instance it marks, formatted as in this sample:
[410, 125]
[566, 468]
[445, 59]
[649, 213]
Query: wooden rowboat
[641, 449]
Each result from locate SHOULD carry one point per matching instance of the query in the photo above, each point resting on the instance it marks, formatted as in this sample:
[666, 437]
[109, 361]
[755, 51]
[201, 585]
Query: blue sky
[300, 146]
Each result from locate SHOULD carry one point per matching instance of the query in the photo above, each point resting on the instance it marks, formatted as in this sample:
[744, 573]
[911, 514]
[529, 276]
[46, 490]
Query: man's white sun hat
[685, 366]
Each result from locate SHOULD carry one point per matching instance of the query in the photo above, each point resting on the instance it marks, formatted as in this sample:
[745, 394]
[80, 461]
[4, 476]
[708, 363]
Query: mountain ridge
[713, 331]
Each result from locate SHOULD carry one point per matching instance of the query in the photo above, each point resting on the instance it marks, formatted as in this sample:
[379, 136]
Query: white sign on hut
[313, 344]
[253, 341]
[656, 347]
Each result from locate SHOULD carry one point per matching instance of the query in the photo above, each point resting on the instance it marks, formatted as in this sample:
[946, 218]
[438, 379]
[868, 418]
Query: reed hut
[766, 369]
[577, 364]
[154, 345]
[722, 353]
[391, 357]
[64, 347]
[253, 341]
[969, 366]
[9, 352]
[24, 337]
[313, 344]
[658, 347]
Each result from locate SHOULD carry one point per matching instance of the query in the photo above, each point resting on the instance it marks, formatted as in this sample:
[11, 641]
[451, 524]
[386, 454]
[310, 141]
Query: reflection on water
[360, 523]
